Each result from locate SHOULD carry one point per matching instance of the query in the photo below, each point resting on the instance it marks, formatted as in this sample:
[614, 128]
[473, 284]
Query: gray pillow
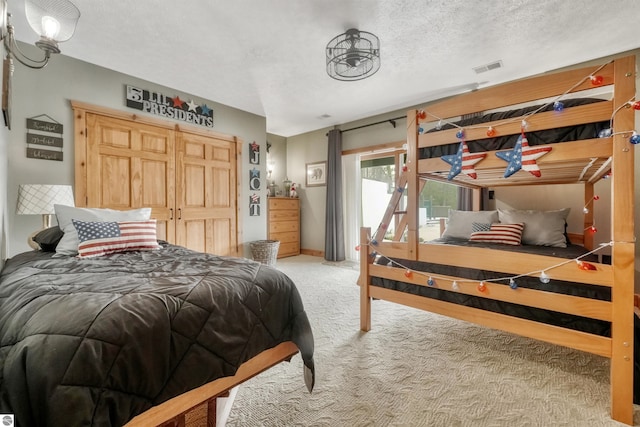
[542, 228]
[68, 245]
[460, 223]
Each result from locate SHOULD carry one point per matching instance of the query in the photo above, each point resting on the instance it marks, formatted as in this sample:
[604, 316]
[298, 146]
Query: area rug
[417, 369]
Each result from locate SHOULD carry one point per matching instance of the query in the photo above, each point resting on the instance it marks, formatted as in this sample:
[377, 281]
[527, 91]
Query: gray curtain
[334, 227]
[465, 199]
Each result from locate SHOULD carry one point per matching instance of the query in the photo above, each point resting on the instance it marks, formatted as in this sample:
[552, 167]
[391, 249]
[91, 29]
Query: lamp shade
[53, 20]
[37, 199]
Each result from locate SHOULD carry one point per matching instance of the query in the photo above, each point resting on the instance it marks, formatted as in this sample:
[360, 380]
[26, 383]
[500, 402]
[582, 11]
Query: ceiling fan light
[353, 55]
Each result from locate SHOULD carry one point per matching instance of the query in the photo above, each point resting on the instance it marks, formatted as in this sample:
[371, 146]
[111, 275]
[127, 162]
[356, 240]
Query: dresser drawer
[289, 249]
[283, 203]
[284, 215]
[285, 237]
[278, 226]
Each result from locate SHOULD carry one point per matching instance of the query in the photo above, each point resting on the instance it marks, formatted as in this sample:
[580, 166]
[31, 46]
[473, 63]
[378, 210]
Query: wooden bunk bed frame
[585, 161]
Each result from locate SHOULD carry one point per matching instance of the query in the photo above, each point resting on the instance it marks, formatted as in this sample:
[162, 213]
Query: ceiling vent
[488, 67]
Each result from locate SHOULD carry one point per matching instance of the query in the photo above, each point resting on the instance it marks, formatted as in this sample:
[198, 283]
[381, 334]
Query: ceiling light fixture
[53, 20]
[353, 55]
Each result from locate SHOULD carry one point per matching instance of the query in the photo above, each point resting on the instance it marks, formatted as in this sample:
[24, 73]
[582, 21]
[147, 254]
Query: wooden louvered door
[206, 189]
[131, 165]
[187, 177]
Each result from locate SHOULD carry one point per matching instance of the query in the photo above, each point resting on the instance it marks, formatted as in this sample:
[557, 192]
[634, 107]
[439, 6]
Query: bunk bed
[571, 299]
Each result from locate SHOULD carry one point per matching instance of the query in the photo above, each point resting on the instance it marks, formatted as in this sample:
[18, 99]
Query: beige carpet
[418, 369]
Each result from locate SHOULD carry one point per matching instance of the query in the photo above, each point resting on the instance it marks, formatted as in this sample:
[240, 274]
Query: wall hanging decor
[254, 150]
[171, 107]
[6, 91]
[254, 179]
[316, 174]
[254, 205]
[44, 133]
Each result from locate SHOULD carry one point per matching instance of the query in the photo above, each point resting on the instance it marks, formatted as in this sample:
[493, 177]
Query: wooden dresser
[283, 223]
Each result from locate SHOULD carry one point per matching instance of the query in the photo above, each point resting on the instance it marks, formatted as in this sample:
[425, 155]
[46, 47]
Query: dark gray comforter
[98, 341]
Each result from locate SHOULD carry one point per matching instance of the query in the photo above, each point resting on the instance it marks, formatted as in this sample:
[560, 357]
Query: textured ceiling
[268, 57]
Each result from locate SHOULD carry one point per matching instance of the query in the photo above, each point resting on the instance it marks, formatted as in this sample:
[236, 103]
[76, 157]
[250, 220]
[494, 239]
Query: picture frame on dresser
[316, 174]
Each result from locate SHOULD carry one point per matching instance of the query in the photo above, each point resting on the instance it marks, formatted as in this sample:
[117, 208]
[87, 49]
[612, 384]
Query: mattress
[548, 136]
[579, 323]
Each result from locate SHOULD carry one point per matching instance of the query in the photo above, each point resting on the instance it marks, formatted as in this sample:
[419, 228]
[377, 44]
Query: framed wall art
[316, 174]
[6, 92]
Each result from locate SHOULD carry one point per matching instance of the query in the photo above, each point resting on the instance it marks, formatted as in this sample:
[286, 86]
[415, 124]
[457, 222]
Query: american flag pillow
[103, 238]
[508, 234]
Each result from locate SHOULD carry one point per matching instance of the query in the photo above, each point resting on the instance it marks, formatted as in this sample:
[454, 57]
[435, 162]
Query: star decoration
[523, 157]
[205, 110]
[177, 102]
[254, 173]
[254, 146]
[463, 161]
[192, 105]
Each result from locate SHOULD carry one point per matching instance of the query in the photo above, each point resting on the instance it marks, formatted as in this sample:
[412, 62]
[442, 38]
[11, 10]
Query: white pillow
[460, 223]
[68, 245]
[542, 228]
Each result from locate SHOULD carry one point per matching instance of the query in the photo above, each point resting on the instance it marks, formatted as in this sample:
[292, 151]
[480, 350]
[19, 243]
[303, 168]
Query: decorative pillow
[68, 245]
[460, 223]
[48, 238]
[103, 238]
[477, 226]
[542, 228]
[507, 234]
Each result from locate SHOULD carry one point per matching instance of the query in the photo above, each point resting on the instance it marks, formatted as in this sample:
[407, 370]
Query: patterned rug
[417, 369]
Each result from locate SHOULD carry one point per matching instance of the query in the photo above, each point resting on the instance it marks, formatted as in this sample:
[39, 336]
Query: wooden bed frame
[172, 412]
[585, 162]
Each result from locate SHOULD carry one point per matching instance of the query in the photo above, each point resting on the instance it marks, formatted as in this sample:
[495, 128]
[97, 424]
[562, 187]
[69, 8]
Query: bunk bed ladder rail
[392, 210]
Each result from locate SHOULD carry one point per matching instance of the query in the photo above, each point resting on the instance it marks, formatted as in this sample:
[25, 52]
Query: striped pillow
[508, 234]
[103, 238]
[478, 226]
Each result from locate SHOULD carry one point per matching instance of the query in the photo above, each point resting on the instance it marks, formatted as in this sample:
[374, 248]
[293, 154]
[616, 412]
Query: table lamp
[38, 199]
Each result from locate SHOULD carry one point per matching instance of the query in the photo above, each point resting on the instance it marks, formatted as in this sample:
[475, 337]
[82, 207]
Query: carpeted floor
[417, 369]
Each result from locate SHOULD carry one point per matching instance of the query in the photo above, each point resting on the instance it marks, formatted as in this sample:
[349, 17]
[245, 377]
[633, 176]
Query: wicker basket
[265, 251]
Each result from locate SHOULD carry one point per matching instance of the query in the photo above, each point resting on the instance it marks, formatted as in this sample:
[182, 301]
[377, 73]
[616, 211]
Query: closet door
[131, 165]
[206, 193]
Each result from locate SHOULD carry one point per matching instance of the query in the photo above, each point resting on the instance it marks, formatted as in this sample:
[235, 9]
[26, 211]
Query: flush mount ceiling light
[53, 20]
[354, 55]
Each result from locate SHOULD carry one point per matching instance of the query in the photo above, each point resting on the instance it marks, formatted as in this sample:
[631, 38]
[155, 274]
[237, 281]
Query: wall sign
[169, 107]
[44, 138]
[254, 179]
[254, 158]
[254, 205]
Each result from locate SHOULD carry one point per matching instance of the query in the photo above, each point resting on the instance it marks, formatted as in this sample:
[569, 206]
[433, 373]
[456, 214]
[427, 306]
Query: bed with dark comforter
[571, 252]
[97, 341]
[552, 286]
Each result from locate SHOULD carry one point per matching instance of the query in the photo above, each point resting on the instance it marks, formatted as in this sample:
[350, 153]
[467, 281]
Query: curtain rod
[392, 121]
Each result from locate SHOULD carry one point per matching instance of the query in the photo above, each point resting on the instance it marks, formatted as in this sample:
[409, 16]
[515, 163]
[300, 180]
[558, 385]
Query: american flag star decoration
[523, 157]
[463, 161]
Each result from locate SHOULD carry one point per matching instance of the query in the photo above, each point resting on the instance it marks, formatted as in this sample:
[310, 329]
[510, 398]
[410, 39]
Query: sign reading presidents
[169, 107]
